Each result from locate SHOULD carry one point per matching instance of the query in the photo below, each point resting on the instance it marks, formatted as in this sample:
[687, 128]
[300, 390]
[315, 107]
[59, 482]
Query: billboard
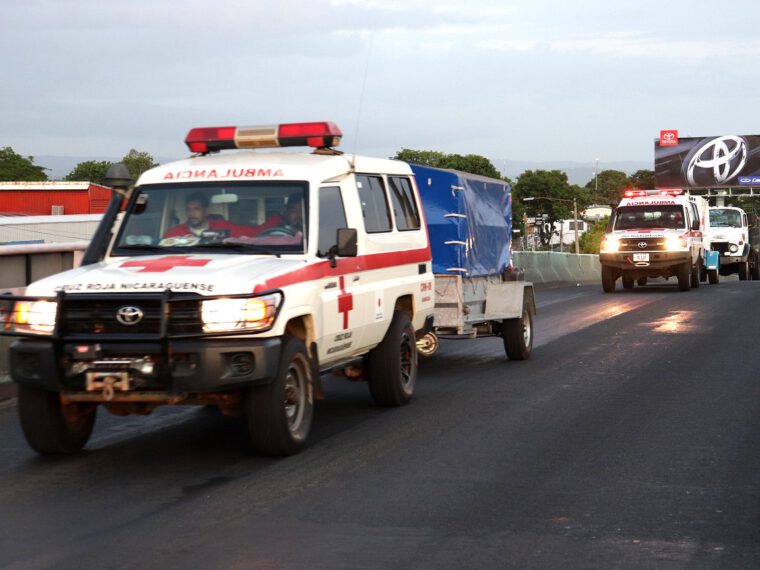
[707, 162]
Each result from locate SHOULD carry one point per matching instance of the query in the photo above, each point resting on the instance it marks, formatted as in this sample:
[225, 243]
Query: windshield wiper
[143, 247]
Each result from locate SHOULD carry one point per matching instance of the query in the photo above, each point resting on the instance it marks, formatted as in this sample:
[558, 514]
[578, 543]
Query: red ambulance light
[635, 193]
[206, 139]
[318, 135]
[210, 139]
[671, 191]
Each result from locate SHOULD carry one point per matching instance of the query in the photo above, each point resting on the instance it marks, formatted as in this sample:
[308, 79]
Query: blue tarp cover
[469, 218]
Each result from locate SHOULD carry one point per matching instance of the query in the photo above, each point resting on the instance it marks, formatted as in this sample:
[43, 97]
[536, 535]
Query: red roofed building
[52, 198]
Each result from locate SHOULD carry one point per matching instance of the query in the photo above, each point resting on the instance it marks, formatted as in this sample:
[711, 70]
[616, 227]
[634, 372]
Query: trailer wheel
[608, 279]
[50, 427]
[391, 367]
[713, 277]
[695, 270]
[684, 276]
[427, 344]
[279, 414]
[518, 335]
[743, 271]
[755, 269]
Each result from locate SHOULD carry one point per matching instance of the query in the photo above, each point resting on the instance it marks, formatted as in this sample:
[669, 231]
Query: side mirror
[347, 242]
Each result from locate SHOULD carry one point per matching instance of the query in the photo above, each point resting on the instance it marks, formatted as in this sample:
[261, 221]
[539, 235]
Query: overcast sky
[518, 80]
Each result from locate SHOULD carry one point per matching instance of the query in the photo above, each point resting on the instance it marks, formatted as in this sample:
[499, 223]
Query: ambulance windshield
[665, 216]
[720, 218]
[260, 217]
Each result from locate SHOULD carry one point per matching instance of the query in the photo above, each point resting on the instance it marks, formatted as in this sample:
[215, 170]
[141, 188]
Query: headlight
[733, 248]
[609, 245]
[673, 243]
[249, 314]
[34, 316]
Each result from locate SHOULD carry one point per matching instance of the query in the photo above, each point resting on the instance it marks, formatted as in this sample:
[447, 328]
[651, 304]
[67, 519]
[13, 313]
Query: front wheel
[51, 427]
[608, 279]
[391, 367]
[517, 335]
[743, 271]
[684, 276]
[713, 277]
[279, 414]
[695, 270]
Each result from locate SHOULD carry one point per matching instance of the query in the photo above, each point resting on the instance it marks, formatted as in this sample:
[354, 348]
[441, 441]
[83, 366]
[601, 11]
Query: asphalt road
[631, 439]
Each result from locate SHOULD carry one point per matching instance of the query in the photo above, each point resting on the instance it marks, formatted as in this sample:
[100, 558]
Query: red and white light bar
[645, 193]
[317, 135]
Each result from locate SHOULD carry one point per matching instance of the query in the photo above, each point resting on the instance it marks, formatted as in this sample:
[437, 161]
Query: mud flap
[712, 258]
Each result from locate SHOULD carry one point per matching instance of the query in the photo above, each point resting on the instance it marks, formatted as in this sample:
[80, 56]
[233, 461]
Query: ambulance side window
[695, 213]
[332, 217]
[404, 206]
[377, 215]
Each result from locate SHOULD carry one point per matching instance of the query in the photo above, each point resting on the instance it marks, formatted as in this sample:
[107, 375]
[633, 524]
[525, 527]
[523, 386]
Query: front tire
[713, 277]
[684, 276]
[608, 279]
[50, 427]
[279, 414]
[743, 271]
[518, 336]
[695, 271]
[391, 367]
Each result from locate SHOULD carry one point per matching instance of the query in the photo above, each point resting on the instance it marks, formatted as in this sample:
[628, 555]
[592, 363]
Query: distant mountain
[577, 172]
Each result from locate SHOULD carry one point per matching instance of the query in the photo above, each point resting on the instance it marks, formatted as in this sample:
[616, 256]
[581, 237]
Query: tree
[608, 187]
[90, 170]
[551, 184]
[643, 179]
[14, 167]
[592, 237]
[472, 163]
[138, 162]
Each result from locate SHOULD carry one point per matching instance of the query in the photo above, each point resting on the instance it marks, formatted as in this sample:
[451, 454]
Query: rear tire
[391, 367]
[755, 269]
[641, 281]
[279, 414]
[518, 335]
[684, 276]
[695, 271]
[627, 282]
[608, 279]
[51, 428]
[713, 277]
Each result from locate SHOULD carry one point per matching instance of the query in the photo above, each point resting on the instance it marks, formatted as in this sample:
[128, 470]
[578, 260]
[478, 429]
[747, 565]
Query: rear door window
[377, 215]
[404, 206]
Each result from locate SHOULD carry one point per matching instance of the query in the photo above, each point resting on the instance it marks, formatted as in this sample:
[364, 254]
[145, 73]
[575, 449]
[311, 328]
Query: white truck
[732, 237]
[657, 233]
[234, 280]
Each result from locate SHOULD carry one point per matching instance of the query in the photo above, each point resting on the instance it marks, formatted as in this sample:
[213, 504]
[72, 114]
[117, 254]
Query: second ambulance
[657, 233]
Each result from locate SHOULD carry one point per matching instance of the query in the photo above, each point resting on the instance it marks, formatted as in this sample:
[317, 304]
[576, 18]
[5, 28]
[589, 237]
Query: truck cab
[234, 278]
[730, 235]
[653, 233]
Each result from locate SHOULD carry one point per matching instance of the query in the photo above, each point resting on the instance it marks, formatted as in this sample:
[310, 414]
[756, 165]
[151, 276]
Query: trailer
[477, 290]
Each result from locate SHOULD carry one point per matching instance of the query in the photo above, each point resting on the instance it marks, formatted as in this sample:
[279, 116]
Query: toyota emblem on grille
[129, 315]
[642, 245]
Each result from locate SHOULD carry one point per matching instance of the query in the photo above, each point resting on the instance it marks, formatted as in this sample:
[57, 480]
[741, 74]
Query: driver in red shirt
[198, 221]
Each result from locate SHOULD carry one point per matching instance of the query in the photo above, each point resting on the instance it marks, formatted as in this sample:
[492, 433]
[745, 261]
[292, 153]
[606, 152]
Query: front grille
[719, 246]
[95, 316]
[650, 244]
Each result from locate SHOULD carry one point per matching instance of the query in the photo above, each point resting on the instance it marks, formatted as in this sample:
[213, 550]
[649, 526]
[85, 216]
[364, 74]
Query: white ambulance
[231, 279]
[656, 233]
[732, 237]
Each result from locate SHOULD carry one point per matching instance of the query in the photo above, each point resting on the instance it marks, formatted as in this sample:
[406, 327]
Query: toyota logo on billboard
[717, 161]
[129, 315]
[708, 162]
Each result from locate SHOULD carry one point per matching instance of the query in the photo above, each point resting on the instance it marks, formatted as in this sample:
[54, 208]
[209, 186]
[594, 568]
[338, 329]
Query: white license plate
[641, 257]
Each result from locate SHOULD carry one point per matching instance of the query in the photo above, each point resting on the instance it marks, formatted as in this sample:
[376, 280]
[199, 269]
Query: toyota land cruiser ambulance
[656, 233]
[231, 279]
